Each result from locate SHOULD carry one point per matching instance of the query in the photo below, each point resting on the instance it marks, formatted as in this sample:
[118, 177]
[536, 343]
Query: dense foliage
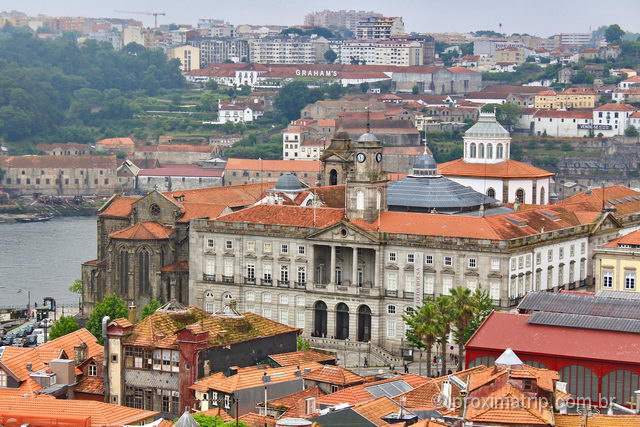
[52, 88]
[112, 306]
[149, 308]
[65, 325]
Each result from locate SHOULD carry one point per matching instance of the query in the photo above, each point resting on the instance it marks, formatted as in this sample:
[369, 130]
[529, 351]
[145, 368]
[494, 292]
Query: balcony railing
[408, 295]
[301, 285]
[250, 280]
[209, 277]
[227, 279]
[266, 282]
[495, 302]
[320, 285]
[283, 283]
[391, 293]
[514, 301]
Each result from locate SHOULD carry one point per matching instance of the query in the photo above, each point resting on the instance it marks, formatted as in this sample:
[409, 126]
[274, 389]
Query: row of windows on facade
[47, 181]
[480, 152]
[392, 256]
[521, 285]
[143, 398]
[23, 172]
[629, 280]
[246, 173]
[525, 260]
[158, 359]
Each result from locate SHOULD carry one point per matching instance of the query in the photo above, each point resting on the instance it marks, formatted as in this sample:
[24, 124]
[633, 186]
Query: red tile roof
[118, 206]
[503, 330]
[181, 170]
[179, 148]
[274, 165]
[616, 107]
[256, 420]
[632, 239]
[63, 145]
[296, 216]
[59, 162]
[596, 198]
[334, 375]
[359, 393]
[562, 114]
[115, 142]
[90, 385]
[507, 169]
[201, 210]
[302, 356]
[48, 412]
[143, 231]
[180, 266]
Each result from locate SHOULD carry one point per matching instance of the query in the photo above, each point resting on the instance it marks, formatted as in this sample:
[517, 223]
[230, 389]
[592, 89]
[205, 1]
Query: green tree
[423, 331]
[65, 325]
[330, 56]
[292, 98]
[215, 421]
[613, 33]
[149, 308]
[112, 306]
[507, 114]
[631, 131]
[415, 89]
[463, 311]
[364, 87]
[211, 85]
[442, 325]
[303, 344]
[76, 287]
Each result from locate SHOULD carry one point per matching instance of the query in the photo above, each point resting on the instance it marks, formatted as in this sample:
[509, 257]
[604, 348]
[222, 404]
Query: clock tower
[367, 182]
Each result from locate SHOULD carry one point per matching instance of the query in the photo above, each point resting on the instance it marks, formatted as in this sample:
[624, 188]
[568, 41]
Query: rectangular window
[251, 246]
[495, 264]
[300, 300]
[409, 283]
[266, 312]
[561, 253]
[538, 258]
[228, 267]
[550, 255]
[583, 248]
[301, 250]
[494, 290]
[629, 280]
[227, 401]
[251, 271]
[266, 248]
[528, 261]
[391, 328]
[429, 282]
[302, 274]
[210, 266]
[300, 321]
[411, 258]
[392, 256]
[284, 273]
[428, 259]
[3, 379]
[228, 244]
[267, 270]
[472, 263]
[284, 249]
[607, 279]
[520, 262]
[572, 250]
[472, 284]
[448, 260]
[283, 316]
[447, 284]
[392, 281]
[210, 243]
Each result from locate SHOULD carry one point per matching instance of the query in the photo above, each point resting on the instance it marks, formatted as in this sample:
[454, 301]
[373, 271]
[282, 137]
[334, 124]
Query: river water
[44, 258]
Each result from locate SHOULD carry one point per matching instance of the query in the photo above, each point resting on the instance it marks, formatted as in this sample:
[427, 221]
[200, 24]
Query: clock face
[360, 157]
[378, 157]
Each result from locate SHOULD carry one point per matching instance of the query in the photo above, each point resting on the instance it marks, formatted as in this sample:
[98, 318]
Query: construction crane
[154, 14]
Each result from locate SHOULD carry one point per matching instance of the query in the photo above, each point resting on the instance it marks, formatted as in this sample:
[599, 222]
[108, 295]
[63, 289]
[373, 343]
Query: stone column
[332, 272]
[376, 269]
[354, 267]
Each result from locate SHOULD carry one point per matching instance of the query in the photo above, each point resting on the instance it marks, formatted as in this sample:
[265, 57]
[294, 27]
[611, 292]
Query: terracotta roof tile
[143, 231]
[335, 375]
[632, 238]
[597, 420]
[175, 148]
[160, 329]
[119, 207]
[509, 405]
[250, 377]
[295, 404]
[375, 409]
[562, 114]
[90, 385]
[180, 266]
[297, 216]
[62, 162]
[359, 393]
[69, 341]
[595, 198]
[507, 169]
[115, 142]
[256, 420]
[232, 196]
[90, 413]
[616, 107]
[194, 210]
[302, 356]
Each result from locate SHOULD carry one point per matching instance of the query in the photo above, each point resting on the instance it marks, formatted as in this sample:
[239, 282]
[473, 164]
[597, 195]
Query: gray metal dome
[424, 161]
[487, 127]
[288, 183]
[368, 137]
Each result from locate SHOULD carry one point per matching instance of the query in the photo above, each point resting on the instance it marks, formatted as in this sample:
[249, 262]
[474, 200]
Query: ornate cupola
[486, 141]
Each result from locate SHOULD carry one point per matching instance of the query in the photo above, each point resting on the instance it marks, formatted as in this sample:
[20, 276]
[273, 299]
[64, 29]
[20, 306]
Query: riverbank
[9, 213]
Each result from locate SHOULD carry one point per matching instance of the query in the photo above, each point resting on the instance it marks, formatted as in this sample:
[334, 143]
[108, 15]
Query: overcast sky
[540, 17]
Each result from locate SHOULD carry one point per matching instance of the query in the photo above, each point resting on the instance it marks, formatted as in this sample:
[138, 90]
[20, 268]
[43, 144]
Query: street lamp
[19, 291]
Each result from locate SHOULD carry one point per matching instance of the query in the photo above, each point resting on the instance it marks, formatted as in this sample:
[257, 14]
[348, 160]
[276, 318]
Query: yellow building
[511, 55]
[568, 99]
[617, 264]
[189, 57]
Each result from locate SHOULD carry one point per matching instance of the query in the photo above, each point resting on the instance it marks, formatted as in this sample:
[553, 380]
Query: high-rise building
[380, 28]
[340, 18]
[217, 50]
[298, 50]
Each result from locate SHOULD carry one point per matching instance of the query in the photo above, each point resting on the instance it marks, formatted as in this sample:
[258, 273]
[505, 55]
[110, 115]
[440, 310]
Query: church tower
[337, 160]
[367, 183]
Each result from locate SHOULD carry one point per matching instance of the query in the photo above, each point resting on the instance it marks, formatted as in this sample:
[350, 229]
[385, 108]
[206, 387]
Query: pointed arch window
[123, 270]
[143, 272]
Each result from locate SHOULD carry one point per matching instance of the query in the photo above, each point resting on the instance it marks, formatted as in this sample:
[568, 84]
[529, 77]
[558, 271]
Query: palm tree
[463, 308]
[422, 332]
[442, 325]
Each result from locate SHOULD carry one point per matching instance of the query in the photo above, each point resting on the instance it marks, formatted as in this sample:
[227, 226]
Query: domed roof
[288, 183]
[424, 161]
[487, 127]
[368, 137]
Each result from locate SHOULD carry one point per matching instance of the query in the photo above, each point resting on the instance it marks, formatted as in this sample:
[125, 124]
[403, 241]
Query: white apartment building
[612, 119]
[296, 50]
[575, 39]
[382, 52]
[380, 28]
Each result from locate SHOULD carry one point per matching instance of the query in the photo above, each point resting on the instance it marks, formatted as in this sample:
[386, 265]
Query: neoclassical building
[346, 275]
[487, 167]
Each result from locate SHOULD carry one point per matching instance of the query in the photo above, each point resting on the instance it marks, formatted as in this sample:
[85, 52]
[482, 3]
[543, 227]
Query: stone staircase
[354, 352]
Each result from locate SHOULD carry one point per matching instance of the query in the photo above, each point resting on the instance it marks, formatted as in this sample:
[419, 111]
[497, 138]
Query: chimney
[132, 312]
[65, 370]
[29, 366]
[233, 370]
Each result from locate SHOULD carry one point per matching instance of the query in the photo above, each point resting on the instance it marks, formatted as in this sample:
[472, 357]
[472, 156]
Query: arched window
[360, 200]
[144, 283]
[542, 195]
[364, 323]
[499, 151]
[620, 385]
[481, 151]
[581, 381]
[333, 177]
[209, 304]
[489, 151]
[123, 269]
[342, 321]
[320, 319]
[472, 150]
[491, 193]
[520, 195]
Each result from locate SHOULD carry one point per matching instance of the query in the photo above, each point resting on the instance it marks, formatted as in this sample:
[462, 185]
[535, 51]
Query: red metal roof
[510, 330]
